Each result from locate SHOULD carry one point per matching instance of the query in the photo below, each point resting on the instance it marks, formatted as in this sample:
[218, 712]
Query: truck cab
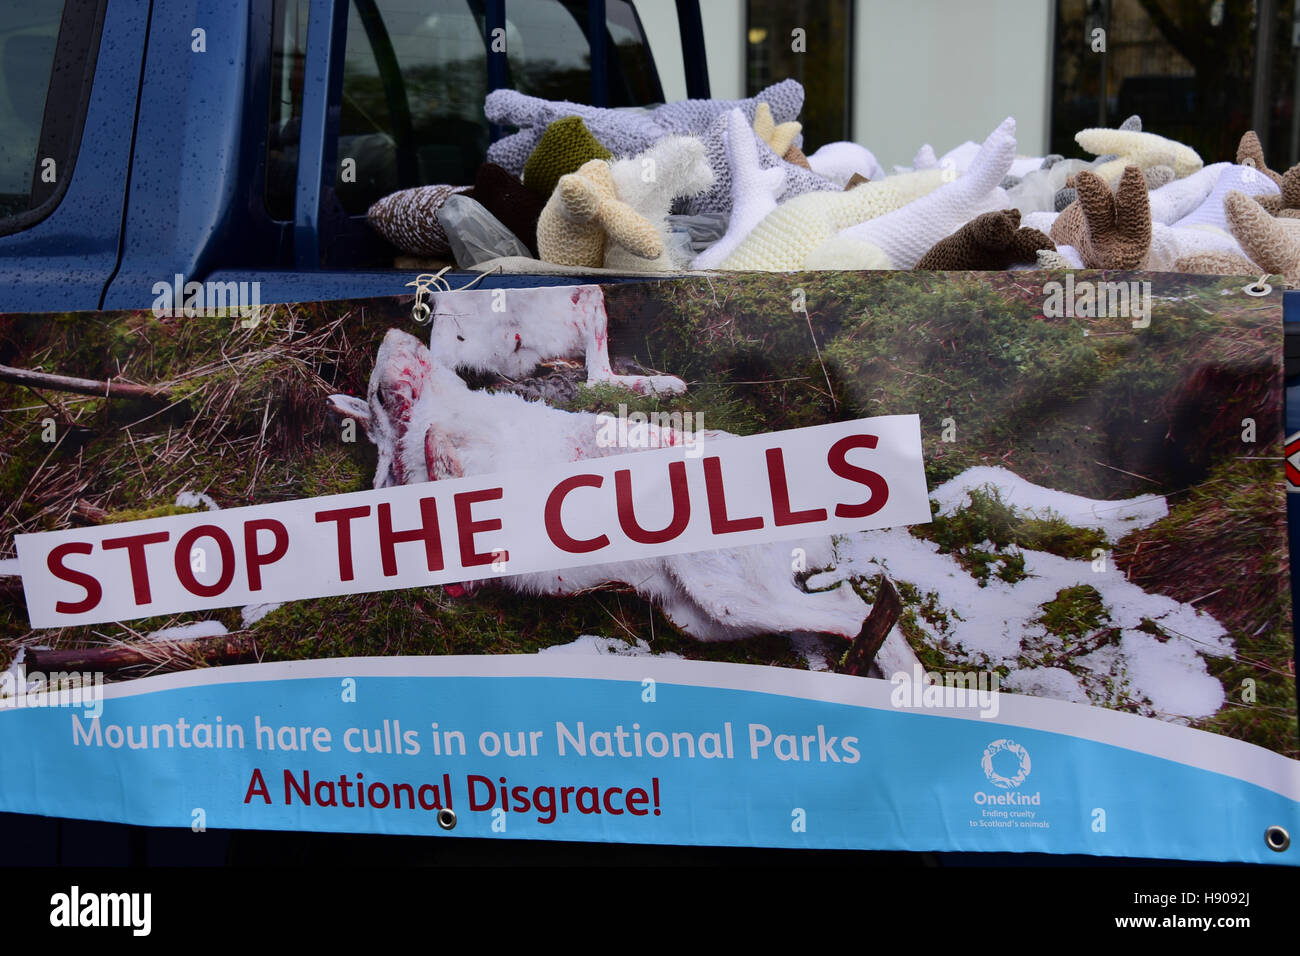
[237, 140]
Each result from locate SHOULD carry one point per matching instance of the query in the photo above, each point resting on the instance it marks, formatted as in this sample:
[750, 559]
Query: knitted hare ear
[780, 138]
[1158, 176]
[1250, 152]
[1133, 207]
[1109, 231]
[1268, 243]
[578, 197]
[631, 230]
[754, 190]
[1132, 148]
[601, 176]
[1095, 200]
[565, 146]
[512, 108]
[1064, 197]
[1027, 243]
[1291, 188]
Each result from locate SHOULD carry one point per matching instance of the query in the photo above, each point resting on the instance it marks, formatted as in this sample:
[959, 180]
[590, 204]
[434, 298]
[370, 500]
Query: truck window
[47, 57]
[415, 75]
[421, 103]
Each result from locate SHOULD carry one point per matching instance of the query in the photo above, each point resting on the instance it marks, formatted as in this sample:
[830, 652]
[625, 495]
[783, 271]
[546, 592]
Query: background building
[896, 75]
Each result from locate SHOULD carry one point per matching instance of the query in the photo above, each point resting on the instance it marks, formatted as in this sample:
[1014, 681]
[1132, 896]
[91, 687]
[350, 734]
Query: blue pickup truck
[244, 140]
[241, 140]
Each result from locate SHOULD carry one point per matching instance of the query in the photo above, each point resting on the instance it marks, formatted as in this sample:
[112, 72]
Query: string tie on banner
[421, 312]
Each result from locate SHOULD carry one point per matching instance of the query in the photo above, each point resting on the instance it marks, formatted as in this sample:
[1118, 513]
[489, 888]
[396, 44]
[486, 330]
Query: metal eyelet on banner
[421, 312]
[1258, 287]
[447, 818]
[1277, 838]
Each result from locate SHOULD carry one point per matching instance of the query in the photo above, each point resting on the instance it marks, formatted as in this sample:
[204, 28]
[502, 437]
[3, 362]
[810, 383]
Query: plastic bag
[475, 235]
[1037, 191]
[700, 231]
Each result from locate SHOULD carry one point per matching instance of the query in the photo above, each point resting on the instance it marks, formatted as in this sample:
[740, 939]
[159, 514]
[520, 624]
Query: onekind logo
[1013, 748]
[75, 908]
[1007, 764]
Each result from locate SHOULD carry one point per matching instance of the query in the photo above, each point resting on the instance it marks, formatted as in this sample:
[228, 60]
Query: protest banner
[923, 561]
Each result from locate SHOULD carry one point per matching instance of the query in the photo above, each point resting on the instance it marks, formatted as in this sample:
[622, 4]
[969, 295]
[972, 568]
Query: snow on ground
[188, 632]
[196, 499]
[996, 625]
[1149, 651]
[1114, 518]
[1054, 682]
[252, 613]
[592, 644]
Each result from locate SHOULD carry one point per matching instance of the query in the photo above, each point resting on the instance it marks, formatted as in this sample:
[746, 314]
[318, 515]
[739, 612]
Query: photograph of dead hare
[1109, 506]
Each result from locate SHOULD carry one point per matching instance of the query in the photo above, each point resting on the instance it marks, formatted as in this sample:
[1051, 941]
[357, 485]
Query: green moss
[1075, 612]
[1055, 536]
[1223, 546]
[334, 470]
[989, 518]
[932, 658]
[149, 511]
[987, 536]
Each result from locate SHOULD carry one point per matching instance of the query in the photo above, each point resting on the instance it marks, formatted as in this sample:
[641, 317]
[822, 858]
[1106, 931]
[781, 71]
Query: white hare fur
[672, 168]
[429, 425]
[485, 332]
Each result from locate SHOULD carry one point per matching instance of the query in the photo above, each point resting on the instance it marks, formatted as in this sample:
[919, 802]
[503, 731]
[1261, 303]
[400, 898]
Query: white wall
[724, 28]
[724, 45]
[659, 19]
[941, 72]
[936, 71]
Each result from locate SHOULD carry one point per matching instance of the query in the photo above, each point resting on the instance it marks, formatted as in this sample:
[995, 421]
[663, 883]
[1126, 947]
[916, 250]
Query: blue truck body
[169, 174]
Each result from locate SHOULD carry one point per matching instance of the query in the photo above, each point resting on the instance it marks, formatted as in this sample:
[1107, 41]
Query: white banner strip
[726, 493]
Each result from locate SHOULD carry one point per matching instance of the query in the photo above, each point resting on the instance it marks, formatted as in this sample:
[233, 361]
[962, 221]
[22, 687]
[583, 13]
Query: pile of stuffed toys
[724, 185]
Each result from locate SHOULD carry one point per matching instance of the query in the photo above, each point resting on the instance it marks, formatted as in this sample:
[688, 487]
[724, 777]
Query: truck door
[69, 78]
[370, 96]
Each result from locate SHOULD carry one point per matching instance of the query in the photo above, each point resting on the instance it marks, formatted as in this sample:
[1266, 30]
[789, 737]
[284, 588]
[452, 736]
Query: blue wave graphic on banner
[638, 761]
